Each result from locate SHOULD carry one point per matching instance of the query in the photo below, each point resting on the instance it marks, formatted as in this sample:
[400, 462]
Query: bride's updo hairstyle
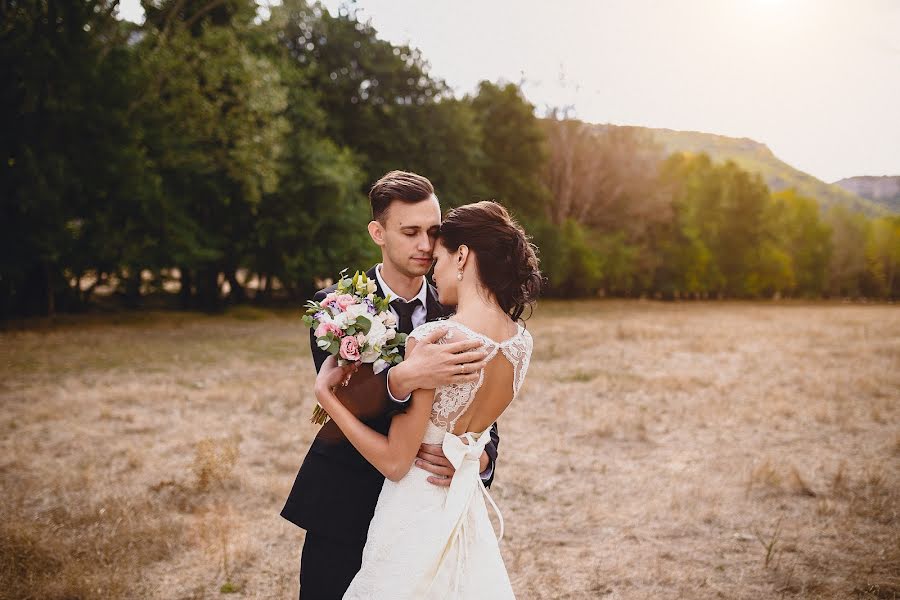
[507, 261]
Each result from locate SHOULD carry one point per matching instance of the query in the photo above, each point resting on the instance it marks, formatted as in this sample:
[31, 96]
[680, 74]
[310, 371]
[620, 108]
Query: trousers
[327, 566]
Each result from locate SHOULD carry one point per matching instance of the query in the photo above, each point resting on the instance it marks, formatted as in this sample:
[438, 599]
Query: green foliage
[229, 588]
[215, 135]
[755, 157]
[805, 239]
[568, 258]
[381, 102]
[73, 180]
[514, 149]
[314, 223]
[210, 148]
[847, 266]
[883, 256]
[721, 243]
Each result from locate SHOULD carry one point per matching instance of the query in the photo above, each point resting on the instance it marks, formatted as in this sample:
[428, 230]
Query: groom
[336, 489]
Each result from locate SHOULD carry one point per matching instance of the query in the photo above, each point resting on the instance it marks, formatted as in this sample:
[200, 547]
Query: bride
[426, 541]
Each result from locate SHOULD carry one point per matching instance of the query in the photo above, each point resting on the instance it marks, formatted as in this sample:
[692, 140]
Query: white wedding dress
[426, 541]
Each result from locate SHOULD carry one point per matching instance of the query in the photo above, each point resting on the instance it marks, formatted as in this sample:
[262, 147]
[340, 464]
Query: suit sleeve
[491, 449]
[318, 355]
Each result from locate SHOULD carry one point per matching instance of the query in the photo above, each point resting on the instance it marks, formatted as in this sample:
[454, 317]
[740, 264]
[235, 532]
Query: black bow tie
[404, 314]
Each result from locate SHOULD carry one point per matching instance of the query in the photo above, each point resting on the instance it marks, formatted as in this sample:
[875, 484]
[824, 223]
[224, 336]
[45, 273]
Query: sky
[818, 81]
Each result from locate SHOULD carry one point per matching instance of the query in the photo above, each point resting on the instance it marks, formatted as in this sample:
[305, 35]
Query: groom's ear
[376, 231]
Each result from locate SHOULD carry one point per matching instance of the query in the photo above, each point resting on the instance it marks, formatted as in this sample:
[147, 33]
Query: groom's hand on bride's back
[430, 364]
[431, 458]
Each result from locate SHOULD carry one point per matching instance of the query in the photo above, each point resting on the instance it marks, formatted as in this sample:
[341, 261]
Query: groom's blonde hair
[398, 185]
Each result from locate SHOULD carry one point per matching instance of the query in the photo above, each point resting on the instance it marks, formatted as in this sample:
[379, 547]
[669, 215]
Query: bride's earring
[459, 275]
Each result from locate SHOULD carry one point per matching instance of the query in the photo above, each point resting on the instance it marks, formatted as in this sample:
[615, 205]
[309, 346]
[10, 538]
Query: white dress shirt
[420, 312]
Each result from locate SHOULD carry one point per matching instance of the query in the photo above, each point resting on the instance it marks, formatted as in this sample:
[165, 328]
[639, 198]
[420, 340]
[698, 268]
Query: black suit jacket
[336, 489]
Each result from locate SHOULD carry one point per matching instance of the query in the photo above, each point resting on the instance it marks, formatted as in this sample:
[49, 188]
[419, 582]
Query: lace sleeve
[425, 328]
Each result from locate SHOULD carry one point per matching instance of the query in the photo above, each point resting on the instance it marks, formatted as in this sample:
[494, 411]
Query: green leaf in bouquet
[351, 330]
[308, 320]
[364, 324]
[334, 347]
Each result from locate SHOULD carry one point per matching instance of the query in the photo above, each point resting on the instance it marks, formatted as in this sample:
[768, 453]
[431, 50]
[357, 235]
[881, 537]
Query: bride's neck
[474, 303]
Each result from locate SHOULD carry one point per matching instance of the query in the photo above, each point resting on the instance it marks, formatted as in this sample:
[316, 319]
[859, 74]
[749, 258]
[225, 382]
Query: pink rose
[344, 301]
[349, 348]
[325, 328]
[330, 299]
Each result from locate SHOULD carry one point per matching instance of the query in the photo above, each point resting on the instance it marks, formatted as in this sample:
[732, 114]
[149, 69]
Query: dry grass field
[660, 450]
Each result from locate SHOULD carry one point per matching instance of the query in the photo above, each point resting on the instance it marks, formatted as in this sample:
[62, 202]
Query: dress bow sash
[465, 458]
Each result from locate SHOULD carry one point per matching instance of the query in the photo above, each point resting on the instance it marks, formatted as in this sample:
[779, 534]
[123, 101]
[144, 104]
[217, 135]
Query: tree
[796, 222]
[514, 148]
[691, 265]
[847, 266]
[212, 116]
[607, 179]
[721, 243]
[313, 224]
[743, 198]
[75, 183]
[883, 256]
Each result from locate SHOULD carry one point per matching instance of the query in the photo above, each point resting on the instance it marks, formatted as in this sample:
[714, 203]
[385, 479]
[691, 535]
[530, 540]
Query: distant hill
[756, 157]
[883, 190]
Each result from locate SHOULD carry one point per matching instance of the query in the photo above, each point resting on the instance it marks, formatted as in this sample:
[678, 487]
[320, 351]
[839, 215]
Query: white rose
[391, 332]
[361, 338]
[342, 319]
[357, 310]
[377, 333]
[379, 365]
[388, 318]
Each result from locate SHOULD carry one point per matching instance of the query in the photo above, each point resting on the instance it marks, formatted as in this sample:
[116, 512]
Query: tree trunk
[133, 288]
[186, 294]
[36, 296]
[263, 291]
[208, 292]
[238, 294]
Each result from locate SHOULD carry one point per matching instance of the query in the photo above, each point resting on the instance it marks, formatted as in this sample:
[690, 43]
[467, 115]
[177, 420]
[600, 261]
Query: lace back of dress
[452, 401]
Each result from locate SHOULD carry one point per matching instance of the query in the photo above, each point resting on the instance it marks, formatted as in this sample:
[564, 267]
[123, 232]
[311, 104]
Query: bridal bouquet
[355, 324]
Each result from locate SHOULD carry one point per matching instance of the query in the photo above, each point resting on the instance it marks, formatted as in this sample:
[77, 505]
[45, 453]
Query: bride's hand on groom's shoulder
[332, 375]
[429, 364]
